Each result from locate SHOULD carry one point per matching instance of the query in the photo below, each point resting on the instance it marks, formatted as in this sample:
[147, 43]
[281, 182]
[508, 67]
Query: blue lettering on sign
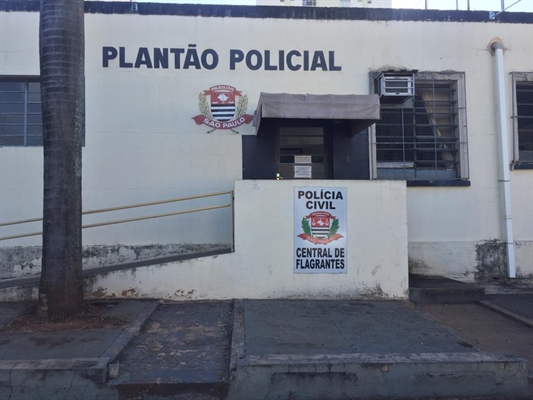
[208, 59]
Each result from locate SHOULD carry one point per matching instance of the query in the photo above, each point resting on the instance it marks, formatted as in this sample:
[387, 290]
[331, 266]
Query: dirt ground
[91, 316]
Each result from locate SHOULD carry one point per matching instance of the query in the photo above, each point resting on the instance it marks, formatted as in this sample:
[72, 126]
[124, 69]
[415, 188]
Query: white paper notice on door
[302, 171]
[302, 159]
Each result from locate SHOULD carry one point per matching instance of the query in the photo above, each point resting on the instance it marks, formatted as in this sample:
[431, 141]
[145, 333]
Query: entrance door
[305, 149]
[303, 153]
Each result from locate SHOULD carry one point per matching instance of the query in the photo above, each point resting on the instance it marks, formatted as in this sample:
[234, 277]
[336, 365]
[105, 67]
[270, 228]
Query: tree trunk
[62, 58]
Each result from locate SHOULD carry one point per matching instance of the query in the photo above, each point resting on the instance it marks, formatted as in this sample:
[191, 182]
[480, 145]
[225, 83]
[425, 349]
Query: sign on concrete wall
[320, 230]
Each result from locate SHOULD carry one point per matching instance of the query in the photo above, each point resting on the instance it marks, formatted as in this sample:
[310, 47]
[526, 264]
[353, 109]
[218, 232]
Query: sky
[492, 5]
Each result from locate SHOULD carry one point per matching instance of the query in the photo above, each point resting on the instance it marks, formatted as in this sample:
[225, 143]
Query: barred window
[523, 117]
[20, 113]
[424, 138]
[309, 3]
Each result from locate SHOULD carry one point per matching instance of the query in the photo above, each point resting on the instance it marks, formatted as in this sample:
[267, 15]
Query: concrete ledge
[27, 289]
[440, 290]
[379, 375]
[446, 296]
[94, 368]
[180, 391]
[55, 379]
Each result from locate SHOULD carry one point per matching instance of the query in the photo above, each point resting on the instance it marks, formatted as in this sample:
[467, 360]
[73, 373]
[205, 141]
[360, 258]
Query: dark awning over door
[362, 110]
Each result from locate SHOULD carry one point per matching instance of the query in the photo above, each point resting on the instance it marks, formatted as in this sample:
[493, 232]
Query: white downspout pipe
[497, 48]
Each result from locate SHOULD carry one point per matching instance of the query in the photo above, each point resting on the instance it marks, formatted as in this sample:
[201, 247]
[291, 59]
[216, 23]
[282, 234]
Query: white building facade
[173, 109]
[327, 3]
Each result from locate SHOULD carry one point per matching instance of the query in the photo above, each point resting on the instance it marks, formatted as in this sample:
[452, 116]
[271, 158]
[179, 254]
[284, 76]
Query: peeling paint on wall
[469, 261]
[99, 293]
[23, 262]
[20, 262]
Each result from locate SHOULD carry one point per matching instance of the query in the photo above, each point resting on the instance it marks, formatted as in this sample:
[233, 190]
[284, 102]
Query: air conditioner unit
[395, 87]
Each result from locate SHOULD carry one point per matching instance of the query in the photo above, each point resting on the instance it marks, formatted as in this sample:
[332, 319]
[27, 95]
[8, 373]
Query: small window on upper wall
[523, 119]
[20, 112]
[422, 138]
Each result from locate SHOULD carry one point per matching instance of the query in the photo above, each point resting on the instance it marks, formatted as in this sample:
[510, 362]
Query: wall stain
[418, 267]
[491, 258]
[99, 293]
[128, 293]
[374, 293]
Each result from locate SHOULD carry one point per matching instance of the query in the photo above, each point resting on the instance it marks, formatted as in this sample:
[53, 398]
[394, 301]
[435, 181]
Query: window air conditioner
[395, 87]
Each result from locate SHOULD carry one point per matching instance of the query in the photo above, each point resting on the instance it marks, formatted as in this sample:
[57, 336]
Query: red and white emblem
[222, 111]
[322, 230]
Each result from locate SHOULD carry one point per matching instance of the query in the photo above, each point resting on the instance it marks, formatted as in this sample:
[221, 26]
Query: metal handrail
[137, 218]
[102, 210]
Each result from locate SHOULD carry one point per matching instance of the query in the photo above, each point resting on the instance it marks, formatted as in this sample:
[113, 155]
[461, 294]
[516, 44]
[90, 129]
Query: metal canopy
[362, 110]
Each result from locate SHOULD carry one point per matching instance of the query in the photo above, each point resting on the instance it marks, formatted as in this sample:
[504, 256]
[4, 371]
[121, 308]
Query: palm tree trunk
[62, 57]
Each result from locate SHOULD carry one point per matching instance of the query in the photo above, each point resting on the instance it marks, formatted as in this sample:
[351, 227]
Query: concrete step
[370, 376]
[176, 390]
[440, 290]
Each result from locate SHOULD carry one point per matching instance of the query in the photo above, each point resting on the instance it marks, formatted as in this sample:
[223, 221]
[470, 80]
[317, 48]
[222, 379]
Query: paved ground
[64, 345]
[188, 342]
[67, 344]
[185, 350]
[337, 327]
[519, 303]
[9, 311]
[485, 329]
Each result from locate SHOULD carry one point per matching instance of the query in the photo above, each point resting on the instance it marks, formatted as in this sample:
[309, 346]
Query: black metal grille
[524, 107]
[20, 113]
[420, 139]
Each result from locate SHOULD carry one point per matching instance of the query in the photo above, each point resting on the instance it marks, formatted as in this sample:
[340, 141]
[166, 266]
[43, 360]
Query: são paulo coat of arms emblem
[322, 229]
[220, 109]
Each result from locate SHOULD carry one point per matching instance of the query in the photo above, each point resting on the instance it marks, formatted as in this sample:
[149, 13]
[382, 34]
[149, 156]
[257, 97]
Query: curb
[238, 350]
[518, 318]
[89, 367]
[132, 330]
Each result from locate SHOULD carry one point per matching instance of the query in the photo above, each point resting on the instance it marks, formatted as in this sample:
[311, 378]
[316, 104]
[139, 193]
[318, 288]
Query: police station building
[341, 149]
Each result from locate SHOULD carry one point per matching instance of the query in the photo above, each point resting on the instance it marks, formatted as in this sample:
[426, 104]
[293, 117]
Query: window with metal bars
[523, 118]
[424, 138]
[20, 112]
[309, 3]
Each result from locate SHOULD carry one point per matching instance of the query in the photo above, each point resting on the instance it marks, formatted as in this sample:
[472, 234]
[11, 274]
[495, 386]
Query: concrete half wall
[262, 264]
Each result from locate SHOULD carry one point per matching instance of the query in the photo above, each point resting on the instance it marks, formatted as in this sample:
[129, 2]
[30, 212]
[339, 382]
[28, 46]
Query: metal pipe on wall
[497, 48]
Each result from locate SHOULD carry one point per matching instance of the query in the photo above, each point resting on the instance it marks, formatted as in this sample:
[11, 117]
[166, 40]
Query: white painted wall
[142, 144]
[262, 264]
[329, 3]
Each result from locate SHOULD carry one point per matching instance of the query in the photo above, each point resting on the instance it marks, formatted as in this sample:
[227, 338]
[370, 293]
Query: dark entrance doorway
[303, 153]
[306, 149]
